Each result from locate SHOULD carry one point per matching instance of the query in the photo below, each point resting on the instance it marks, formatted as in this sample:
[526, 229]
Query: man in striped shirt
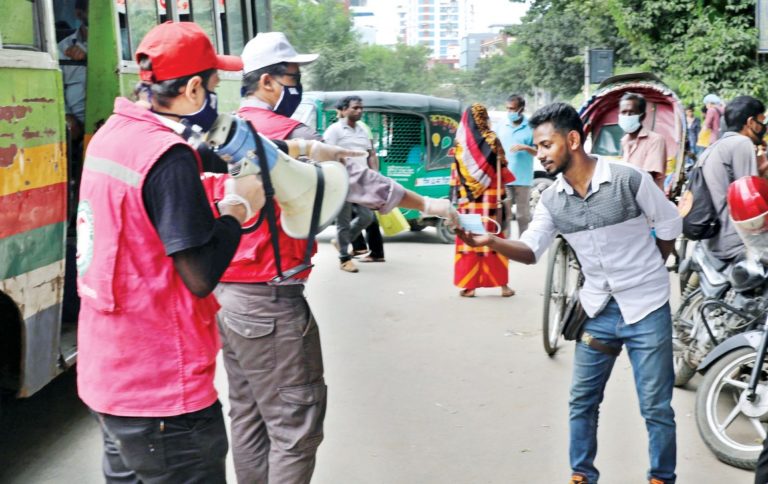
[605, 211]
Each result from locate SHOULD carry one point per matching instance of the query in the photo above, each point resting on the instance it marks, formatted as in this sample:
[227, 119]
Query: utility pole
[586, 73]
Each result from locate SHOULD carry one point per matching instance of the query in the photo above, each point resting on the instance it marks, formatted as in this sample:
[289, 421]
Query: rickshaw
[664, 115]
[413, 138]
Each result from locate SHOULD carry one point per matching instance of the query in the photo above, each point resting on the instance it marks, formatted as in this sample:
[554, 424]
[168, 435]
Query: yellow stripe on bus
[36, 290]
[34, 167]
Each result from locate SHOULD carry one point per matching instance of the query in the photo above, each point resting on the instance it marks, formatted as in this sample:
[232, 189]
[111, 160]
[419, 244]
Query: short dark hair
[165, 91]
[250, 83]
[562, 116]
[740, 109]
[517, 97]
[344, 103]
[638, 98]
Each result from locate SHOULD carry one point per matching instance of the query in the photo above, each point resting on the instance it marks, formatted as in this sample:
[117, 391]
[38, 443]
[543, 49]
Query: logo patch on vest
[85, 232]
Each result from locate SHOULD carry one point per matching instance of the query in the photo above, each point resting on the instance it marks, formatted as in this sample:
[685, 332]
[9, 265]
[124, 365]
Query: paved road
[424, 387]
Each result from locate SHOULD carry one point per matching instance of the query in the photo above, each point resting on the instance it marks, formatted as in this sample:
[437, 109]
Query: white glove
[245, 190]
[319, 151]
[441, 207]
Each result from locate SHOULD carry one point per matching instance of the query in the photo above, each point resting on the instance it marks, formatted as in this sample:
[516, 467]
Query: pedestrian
[150, 251]
[517, 139]
[640, 146]
[271, 340]
[693, 128]
[735, 155]
[605, 210]
[713, 117]
[477, 176]
[353, 218]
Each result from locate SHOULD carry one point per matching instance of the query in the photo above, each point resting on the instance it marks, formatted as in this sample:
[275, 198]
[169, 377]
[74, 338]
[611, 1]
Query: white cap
[269, 48]
[712, 99]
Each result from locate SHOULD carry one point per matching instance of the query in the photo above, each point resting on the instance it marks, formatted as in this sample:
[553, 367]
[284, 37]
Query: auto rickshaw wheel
[446, 234]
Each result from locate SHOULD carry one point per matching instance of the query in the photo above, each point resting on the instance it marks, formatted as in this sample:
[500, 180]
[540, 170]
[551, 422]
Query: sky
[487, 12]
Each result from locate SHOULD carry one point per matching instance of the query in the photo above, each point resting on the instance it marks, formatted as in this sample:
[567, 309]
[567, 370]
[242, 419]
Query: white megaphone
[295, 183]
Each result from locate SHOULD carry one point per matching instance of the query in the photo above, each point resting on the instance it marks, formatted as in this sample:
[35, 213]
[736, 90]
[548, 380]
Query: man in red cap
[150, 251]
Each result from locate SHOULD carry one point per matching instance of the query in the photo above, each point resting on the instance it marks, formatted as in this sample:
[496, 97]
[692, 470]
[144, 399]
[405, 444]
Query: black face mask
[289, 100]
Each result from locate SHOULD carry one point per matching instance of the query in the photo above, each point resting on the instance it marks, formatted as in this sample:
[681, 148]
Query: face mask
[207, 114]
[515, 117]
[629, 124]
[289, 100]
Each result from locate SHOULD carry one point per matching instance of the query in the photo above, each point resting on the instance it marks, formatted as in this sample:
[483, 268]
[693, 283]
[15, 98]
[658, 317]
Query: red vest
[255, 259]
[146, 345]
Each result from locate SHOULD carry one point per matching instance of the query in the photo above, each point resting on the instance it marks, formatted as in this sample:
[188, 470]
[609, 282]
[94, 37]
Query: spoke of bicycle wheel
[730, 418]
[759, 427]
[736, 383]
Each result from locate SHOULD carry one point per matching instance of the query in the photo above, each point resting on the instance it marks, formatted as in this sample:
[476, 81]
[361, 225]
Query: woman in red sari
[478, 176]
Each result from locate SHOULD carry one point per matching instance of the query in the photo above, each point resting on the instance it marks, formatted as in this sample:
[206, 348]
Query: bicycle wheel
[555, 294]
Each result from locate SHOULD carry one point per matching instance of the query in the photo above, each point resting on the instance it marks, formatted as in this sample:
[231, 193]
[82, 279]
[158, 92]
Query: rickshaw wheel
[557, 292]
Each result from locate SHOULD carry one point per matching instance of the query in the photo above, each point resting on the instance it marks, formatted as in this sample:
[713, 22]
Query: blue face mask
[207, 114]
[515, 117]
[289, 100]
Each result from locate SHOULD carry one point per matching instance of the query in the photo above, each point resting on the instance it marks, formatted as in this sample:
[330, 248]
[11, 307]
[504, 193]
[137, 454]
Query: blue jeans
[649, 344]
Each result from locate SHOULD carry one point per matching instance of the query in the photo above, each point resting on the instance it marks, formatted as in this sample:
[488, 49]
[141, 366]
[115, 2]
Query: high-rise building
[435, 24]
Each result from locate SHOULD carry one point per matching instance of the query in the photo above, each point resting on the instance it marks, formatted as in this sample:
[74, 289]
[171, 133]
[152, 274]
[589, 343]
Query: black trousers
[188, 448]
[373, 240]
[761, 476]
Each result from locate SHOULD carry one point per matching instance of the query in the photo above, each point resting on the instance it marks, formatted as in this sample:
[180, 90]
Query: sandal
[369, 258]
[467, 293]
[507, 291]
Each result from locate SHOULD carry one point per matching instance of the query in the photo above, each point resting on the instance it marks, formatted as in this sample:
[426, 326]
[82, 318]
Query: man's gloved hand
[319, 151]
[441, 207]
[243, 196]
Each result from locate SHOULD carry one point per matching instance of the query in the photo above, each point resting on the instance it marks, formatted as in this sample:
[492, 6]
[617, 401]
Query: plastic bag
[393, 222]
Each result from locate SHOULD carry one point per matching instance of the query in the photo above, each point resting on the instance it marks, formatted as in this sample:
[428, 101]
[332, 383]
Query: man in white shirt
[348, 133]
[73, 52]
[605, 211]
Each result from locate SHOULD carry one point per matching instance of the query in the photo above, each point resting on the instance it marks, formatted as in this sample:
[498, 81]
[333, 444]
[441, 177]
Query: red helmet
[748, 204]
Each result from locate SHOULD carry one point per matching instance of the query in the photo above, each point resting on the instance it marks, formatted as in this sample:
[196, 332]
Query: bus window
[19, 26]
[142, 16]
[233, 28]
[202, 15]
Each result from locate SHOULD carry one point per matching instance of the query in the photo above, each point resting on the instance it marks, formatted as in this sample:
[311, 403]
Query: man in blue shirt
[517, 139]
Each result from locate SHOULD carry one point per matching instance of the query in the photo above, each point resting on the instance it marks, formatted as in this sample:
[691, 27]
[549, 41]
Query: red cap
[179, 49]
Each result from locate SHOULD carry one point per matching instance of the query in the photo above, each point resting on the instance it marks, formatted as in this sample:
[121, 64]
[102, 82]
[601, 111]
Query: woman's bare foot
[507, 291]
[467, 293]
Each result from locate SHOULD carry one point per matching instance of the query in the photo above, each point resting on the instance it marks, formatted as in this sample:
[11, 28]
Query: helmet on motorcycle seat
[748, 205]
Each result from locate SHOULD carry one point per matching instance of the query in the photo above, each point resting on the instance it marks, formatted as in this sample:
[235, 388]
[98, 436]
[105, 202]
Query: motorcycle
[732, 399]
[719, 300]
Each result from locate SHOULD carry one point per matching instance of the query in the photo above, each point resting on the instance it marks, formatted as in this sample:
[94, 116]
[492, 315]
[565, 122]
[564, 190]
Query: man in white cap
[271, 342]
[714, 116]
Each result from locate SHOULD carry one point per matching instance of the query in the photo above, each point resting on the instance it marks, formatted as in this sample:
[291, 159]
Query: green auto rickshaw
[413, 136]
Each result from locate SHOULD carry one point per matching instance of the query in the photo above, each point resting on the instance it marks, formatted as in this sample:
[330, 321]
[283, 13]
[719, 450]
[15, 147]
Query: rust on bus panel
[10, 113]
[7, 155]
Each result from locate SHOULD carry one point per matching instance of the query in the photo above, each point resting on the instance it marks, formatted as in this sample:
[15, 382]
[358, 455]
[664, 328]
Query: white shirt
[74, 77]
[342, 134]
[610, 232]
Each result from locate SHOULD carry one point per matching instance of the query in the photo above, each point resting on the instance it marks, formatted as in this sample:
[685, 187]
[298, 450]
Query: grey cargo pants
[277, 394]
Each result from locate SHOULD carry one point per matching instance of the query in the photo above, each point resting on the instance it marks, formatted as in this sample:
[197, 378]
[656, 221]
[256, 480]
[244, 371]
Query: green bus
[39, 167]
[413, 136]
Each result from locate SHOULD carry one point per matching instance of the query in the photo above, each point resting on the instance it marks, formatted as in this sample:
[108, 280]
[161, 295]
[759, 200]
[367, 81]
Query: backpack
[700, 218]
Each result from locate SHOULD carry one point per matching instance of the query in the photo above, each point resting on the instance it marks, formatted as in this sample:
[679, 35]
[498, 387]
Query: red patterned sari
[474, 185]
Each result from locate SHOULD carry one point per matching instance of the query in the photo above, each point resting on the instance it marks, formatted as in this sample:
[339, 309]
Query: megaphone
[295, 183]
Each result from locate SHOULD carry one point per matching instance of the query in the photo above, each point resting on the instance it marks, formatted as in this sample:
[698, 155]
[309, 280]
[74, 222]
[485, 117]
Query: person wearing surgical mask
[640, 146]
[517, 139]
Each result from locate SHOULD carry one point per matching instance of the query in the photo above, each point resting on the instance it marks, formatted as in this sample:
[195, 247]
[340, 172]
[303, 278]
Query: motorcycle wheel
[729, 424]
[684, 319]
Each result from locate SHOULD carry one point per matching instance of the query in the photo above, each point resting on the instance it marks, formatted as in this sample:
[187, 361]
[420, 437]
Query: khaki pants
[277, 392]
